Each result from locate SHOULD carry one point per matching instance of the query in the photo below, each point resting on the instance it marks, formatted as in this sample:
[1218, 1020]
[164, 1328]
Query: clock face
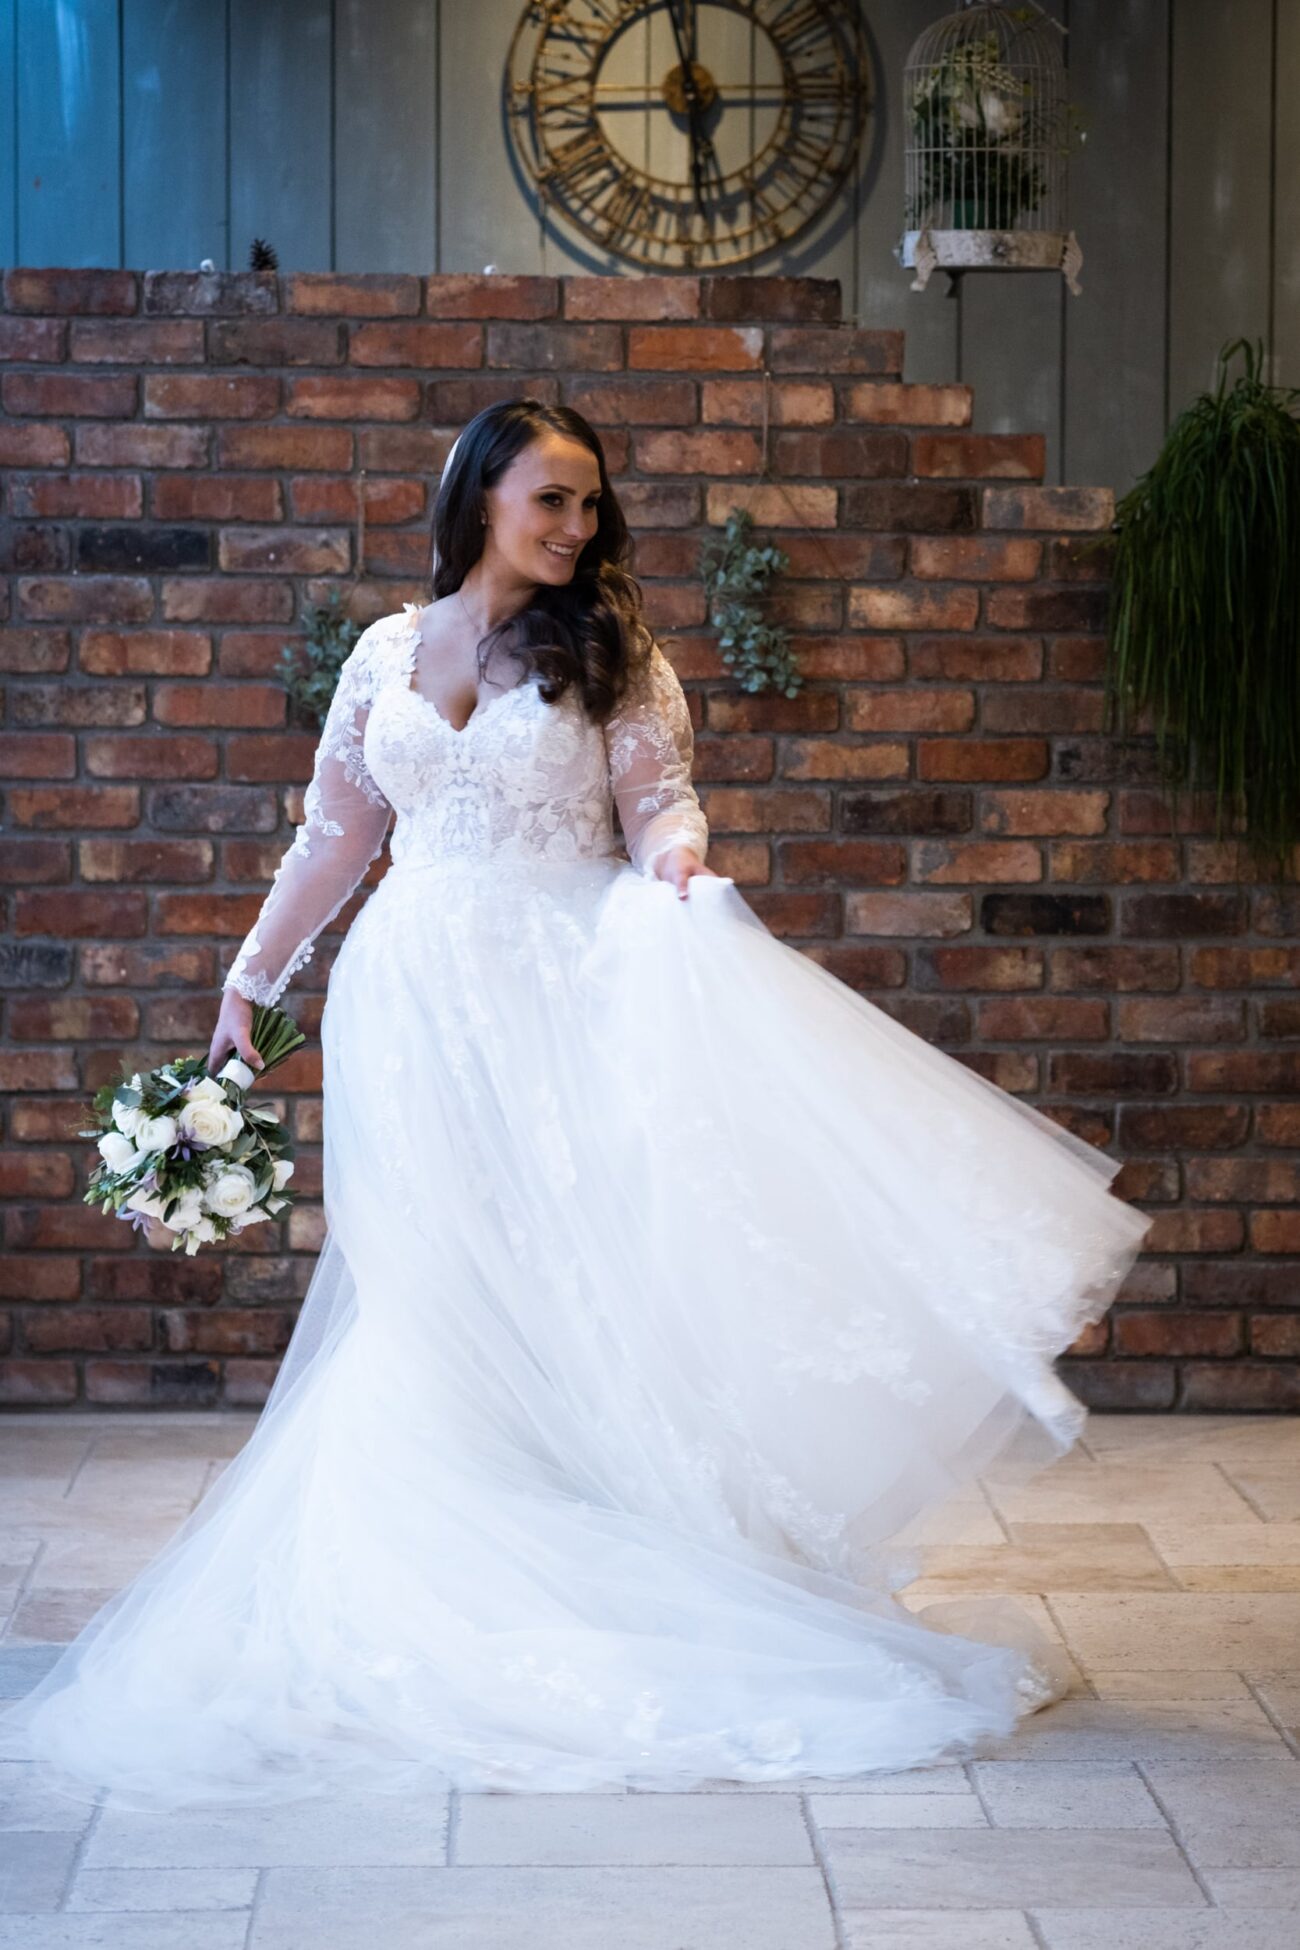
[687, 134]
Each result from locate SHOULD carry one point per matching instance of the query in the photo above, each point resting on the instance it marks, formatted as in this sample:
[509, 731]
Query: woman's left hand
[679, 864]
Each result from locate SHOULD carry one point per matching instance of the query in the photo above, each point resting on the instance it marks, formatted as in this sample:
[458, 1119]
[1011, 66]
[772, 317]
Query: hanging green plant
[1204, 625]
[736, 576]
[309, 666]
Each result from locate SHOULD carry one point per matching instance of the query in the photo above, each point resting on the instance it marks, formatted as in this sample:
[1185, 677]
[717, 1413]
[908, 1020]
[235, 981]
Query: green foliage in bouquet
[1204, 622]
[187, 1150]
[736, 576]
[309, 667]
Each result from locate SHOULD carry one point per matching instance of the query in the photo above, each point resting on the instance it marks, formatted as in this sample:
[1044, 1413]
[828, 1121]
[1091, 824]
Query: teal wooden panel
[885, 300]
[174, 133]
[1115, 332]
[1219, 205]
[386, 136]
[69, 97]
[1286, 202]
[281, 132]
[8, 108]
[1012, 346]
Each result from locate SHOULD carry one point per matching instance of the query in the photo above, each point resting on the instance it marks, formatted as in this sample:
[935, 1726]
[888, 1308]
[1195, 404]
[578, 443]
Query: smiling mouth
[565, 554]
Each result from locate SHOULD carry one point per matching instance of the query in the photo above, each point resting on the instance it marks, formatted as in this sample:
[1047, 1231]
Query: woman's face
[542, 512]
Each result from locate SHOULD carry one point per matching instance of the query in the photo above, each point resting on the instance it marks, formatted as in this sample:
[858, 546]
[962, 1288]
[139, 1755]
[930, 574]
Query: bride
[665, 1279]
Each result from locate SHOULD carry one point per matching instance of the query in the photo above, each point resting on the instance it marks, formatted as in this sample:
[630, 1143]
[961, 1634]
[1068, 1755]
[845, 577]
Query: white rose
[126, 1116]
[281, 1173]
[117, 1151]
[202, 1234]
[210, 1120]
[238, 1072]
[231, 1191]
[205, 1087]
[155, 1133]
[146, 1202]
[187, 1211]
[253, 1217]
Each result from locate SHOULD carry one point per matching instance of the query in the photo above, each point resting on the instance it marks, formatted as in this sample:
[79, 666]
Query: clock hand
[689, 91]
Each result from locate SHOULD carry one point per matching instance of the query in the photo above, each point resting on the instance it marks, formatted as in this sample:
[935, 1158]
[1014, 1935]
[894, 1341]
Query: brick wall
[937, 818]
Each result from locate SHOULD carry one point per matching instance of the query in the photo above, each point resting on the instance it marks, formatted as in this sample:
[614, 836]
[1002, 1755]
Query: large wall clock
[687, 134]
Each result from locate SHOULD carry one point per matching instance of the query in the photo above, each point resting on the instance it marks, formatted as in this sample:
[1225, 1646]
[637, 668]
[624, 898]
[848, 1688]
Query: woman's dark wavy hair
[590, 631]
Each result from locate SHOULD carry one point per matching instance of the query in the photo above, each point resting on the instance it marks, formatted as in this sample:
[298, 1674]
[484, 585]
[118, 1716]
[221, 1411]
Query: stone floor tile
[1271, 1489]
[1232, 1793]
[573, 1830]
[113, 1890]
[26, 1804]
[1248, 1889]
[626, 1908]
[34, 1868]
[1195, 1438]
[1280, 1692]
[1065, 1794]
[1161, 1929]
[354, 1830]
[1001, 1868]
[1166, 1631]
[1079, 1729]
[211, 1930]
[940, 1929]
[897, 1810]
[1054, 1557]
[1214, 1684]
[1140, 1493]
[1258, 1845]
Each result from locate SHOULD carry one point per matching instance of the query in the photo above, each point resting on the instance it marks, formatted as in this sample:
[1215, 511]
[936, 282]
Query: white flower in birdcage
[988, 133]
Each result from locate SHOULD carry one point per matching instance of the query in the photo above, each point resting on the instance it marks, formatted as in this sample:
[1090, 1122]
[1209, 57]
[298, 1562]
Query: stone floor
[1157, 1805]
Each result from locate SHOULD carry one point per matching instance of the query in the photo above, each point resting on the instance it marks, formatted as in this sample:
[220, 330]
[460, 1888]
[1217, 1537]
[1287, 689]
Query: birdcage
[987, 125]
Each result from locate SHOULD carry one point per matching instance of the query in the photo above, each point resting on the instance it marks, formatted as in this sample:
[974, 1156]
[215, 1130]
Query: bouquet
[186, 1150]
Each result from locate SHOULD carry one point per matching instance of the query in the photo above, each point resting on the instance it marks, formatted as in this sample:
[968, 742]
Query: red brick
[243, 705]
[39, 1278]
[1196, 1232]
[633, 402]
[993, 760]
[210, 396]
[975, 558]
[95, 497]
[915, 914]
[148, 860]
[843, 452]
[404, 553]
[909, 710]
[1275, 1334]
[1181, 1019]
[980, 968]
[945, 862]
[141, 446]
[328, 449]
[786, 402]
[28, 861]
[275, 342]
[1081, 508]
[844, 863]
[352, 399]
[34, 446]
[86, 1330]
[40, 341]
[464, 295]
[1275, 1232]
[631, 298]
[1046, 609]
[285, 757]
[74, 806]
[76, 395]
[1053, 810]
[774, 505]
[86, 599]
[78, 704]
[73, 1018]
[232, 1330]
[85, 293]
[758, 711]
[742, 809]
[979, 456]
[286, 551]
[328, 294]
[37, 1384]
[38, 755]
[143, 757]
[1177, 1333]
[139, 342]
[80, 914]
[812, 301]
[217, 497]
[1056, 1018]
[694, 348]
[422, 344]
[34, 650]
[897, 405]
[451, 402]
[209, 294]
[915, 607]
[697, 451]
[835, 349]
[221, 599]
[557, 348]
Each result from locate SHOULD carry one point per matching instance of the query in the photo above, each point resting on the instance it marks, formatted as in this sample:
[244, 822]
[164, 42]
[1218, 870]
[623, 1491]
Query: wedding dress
[665, 1280]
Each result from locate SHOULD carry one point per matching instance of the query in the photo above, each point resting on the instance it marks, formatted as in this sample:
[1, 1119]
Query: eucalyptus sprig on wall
[309, 666]
[737, 574]
[1204, 627]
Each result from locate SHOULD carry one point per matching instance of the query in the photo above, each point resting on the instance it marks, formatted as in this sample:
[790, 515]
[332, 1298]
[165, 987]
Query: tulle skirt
[666, 1281]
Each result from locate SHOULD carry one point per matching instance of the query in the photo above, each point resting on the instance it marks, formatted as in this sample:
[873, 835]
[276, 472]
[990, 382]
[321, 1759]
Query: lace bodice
[523, 782]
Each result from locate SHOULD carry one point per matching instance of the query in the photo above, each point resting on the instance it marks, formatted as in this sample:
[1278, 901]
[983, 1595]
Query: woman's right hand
[233, 1032]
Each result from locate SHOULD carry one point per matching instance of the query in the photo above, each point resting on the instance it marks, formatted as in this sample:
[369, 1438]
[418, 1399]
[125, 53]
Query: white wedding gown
[666, 1280]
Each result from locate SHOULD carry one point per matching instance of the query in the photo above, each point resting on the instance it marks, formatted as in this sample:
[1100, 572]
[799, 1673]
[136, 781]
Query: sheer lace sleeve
[345, 817]
[651, 745]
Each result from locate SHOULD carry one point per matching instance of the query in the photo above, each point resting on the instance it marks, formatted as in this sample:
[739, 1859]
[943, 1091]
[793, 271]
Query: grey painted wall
[367, 135]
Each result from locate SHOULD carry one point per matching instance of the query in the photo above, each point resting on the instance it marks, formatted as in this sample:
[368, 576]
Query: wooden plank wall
[368, 135]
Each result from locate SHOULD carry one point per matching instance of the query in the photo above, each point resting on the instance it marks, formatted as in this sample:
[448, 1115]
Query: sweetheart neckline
[480, 710]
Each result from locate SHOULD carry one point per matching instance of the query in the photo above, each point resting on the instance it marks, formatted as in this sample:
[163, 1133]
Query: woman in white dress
[666, 1279]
